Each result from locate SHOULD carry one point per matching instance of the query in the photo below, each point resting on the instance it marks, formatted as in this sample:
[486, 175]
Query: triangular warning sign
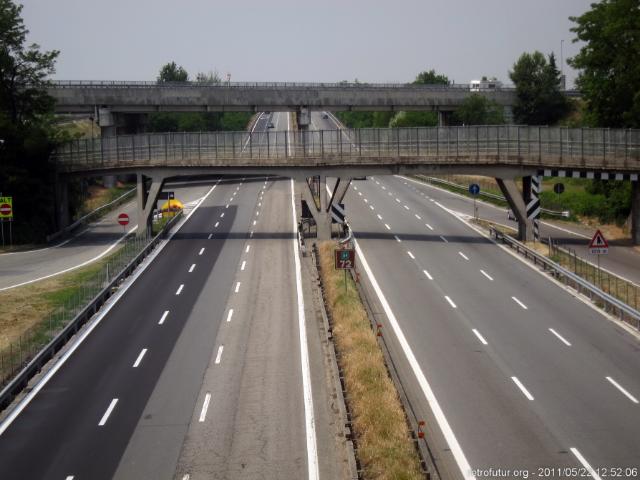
[598, 241]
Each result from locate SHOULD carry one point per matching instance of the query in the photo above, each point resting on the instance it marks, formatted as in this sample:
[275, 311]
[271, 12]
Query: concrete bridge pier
[108, 128]
[320, 202]
[146, 200]
[635, 212]
[518, 204]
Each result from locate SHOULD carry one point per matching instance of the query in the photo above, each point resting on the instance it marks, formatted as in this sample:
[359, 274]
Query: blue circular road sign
[474, 189]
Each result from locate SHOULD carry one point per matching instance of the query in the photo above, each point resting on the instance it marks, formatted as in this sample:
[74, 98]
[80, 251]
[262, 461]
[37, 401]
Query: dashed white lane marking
[355, 188]
[209, 237]
[585, 464]
[406, 208]
[624, 391]
[387, 226]
[418, 216]
[140, 357]
[427, 274]
[463, 256]
[411, 255]
[246, 250]
[360, 193]
[379, 216]
[522, 388]
[244, 264]
[222, 215]
[398, 200]
[444, 239]
[237, 287]
[216, 225]
[397, 238]
[69, 477]
[163, 317]
[255, 221]
[384, 188]
[259, 204]
[431, 200]
[219, 354]
[179, 291]
[110, 408]
[205, 407]
[428, 226]
[519, 303]
[226, 206]
[229, 314]
[201, 251]
[186, 476]
[192, 267]
[366, 201]
[371, 207]
[486, 275]
[453, 305]
[560, 337]
[251, 234]
[480, 337]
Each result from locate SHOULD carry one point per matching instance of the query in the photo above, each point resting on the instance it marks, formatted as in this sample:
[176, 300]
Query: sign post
[123, 219]
[6, 212]
[598, 246]
[345, 259]
[474, 189]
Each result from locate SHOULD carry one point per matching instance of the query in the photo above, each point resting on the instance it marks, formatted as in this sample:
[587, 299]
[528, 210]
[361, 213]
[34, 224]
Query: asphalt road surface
[209, 366]
[517, 373]
[97, 241]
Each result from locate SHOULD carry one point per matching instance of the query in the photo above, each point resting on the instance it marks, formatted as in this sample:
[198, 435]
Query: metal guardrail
[91, 215]
[609, 303]
[493, 196]
[21, 380]
[504, 145]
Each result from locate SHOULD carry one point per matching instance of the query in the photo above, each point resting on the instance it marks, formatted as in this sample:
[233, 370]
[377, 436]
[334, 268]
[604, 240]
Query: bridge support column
[322, 213]
[108, 128]
[62, 202]
[518, 207]
[146, 200]
[635, 212]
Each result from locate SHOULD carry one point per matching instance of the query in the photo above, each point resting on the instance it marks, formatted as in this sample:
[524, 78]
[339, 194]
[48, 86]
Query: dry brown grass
[385, 447]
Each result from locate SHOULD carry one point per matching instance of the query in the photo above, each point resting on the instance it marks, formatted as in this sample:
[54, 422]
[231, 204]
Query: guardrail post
[398, 141]
[417, 141]
[250, 145]
[166, 149]
[437, 141]
[359, 143]
[268, 142]
[497, 140]
[322, 143]
[378, 132]
[233, 144]
[133, 148]
[199, 147]
[477, 144]
[117, 151]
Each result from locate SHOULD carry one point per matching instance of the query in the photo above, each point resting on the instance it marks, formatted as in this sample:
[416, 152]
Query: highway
[516, 372]
[209, 366]
[96, 241]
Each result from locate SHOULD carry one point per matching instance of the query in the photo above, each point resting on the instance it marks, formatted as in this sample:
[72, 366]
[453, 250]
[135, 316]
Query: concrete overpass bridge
[503, 152]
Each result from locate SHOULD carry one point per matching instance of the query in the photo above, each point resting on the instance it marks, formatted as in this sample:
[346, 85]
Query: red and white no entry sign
[123, 219]
[5, 210]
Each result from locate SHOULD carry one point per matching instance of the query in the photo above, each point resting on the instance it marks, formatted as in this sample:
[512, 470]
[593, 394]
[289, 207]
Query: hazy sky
[299, 40]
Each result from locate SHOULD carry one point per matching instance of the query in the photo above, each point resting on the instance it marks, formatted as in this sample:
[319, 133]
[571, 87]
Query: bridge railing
[549, 147]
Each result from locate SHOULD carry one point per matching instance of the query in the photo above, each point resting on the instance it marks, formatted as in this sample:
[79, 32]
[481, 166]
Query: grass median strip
[385, 448]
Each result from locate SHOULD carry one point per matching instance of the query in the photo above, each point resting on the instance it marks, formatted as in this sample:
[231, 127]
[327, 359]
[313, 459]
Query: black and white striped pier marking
[337, 213]
[533, 208]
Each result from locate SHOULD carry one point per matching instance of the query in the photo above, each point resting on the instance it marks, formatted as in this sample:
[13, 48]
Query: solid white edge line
[70, 269]
[450, 437]
[427, 274]
[522, 388]
[584, 463]
[164, 317]
[519, 303]
[96, 321]
[107, 412]
[480, 337]
[453, 305]
[179, 291]
[560, 337]
[312, 449]
[140, 357]
[622, 389]
[219, 354]
[230, 314]
[486, 275]
[205, 407]
[192, 267]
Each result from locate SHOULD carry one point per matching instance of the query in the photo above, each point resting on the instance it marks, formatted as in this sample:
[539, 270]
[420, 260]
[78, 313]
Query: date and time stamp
[557, 472]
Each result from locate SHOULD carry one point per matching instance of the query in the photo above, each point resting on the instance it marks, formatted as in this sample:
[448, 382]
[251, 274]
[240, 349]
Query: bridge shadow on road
[421, 237]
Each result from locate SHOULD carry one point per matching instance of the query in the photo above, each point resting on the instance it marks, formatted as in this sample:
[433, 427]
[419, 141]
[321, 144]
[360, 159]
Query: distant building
[485, 84]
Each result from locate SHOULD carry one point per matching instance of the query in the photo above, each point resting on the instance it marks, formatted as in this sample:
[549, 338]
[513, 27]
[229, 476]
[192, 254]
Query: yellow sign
[6, 207]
